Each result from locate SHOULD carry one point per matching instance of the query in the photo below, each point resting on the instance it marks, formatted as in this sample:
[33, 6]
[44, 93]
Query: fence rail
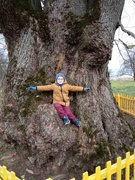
[126, 103]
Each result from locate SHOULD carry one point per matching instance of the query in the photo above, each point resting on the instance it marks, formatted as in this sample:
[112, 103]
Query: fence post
[4, 170]
[108, 165]
[134, 164]
[118, 96]
[118, 173]
[98, 169]
[127, 165]
[12, 175]
[85, 176]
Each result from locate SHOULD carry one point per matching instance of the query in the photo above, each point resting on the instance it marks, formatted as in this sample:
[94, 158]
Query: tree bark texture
[83, 32]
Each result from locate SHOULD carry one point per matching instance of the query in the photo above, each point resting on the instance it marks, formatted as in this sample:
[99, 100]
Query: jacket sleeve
[75, 88]
[45, 88]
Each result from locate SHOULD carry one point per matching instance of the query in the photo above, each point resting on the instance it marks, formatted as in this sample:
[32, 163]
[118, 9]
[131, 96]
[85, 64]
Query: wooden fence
[126, 103]
[121, 170]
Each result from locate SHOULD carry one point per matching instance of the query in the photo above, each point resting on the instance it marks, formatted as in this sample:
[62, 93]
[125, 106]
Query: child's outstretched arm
[41, 88]
[46, 87]
[78, 88]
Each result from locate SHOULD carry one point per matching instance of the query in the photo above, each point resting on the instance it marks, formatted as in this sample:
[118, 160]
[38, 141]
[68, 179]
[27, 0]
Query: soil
[22, 164]
[17, 160]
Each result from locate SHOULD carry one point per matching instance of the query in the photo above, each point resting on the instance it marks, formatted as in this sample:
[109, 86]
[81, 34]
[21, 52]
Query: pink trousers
[64, 111]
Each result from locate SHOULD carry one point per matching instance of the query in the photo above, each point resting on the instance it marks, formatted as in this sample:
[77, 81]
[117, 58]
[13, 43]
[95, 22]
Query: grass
[126, 87]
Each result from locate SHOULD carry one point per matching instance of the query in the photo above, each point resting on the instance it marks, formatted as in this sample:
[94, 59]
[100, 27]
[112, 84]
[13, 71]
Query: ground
[18, 160]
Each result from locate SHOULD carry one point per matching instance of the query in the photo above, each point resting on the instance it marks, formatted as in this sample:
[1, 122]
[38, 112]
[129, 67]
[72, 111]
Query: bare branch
[119, 50]
[127, 31]
[125, 45]
[128, 65]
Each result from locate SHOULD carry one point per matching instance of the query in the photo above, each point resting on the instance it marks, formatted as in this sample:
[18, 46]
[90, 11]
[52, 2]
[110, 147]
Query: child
[61, 99]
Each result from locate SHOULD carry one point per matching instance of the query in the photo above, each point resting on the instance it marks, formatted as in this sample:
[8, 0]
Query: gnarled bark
[83, 32]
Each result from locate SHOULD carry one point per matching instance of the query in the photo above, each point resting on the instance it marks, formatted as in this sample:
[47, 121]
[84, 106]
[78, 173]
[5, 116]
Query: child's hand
[31, 88]
[86, 89]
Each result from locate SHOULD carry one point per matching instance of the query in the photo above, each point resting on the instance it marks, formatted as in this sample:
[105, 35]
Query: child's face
[60, 80]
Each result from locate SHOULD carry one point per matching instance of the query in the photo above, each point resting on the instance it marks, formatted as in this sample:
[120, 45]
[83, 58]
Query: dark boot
[77, 122]
[66, 120]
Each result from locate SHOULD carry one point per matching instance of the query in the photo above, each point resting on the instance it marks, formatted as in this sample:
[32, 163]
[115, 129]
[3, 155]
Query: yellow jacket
[60, 93]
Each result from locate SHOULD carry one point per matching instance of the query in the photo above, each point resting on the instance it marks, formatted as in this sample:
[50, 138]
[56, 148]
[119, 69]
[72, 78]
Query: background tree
[125, 32]
[83, 32]
[128, 65]
[3, 58]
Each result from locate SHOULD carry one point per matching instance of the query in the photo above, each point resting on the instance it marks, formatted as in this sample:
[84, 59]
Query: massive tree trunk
[83, 32]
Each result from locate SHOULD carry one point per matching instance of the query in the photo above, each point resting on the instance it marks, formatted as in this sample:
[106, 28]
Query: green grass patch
[123, 87]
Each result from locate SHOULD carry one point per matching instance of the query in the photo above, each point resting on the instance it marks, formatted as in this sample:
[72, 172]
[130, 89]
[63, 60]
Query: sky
[129, 24]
